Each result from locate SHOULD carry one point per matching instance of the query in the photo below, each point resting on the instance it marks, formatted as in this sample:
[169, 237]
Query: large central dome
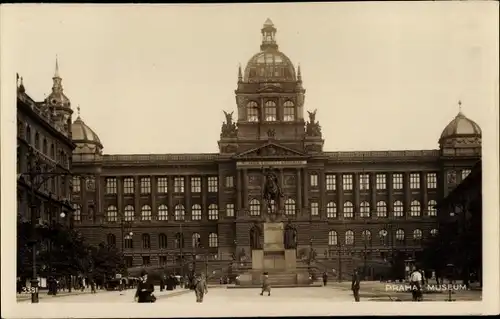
[269, 65]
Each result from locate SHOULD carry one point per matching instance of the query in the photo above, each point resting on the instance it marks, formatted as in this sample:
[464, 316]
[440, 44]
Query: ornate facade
[164, 206]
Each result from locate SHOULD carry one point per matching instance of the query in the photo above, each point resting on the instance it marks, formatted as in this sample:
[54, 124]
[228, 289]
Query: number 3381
[29, 290]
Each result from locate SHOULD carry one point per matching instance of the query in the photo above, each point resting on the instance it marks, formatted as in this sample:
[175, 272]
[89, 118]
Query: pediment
[271, 150]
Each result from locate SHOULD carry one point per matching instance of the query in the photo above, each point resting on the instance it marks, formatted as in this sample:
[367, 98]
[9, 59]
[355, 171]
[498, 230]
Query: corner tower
[269, 98]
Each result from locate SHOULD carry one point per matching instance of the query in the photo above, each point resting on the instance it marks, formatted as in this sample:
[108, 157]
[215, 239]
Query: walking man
[325, 278]
[415, 283]
[145, 289]
[355, 285]
[200, 288]
[266, 287]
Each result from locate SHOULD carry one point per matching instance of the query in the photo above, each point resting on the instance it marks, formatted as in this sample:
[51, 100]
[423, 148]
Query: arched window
[431, 208]
[383, 235]
[254, 207]
[400, 235]
[179, 212]
[398, 209]
[112, 214]
[196, 212]
[252, 111]
[111, 239]
[45, 147]
[434, 232]
[270, 111]
[417, 235]
[129, 213]
[349, 237]
[162, 241]
[348, 210]
[381, 209]
[366, 235]
[364, 209]
[129, 242]
[213, 212]
[415, 208]
[179, 240]
[331, 210]
[332, 238]
[146, 212]
[213, 240]
[290, 206]
[288, 111]
[162, 212]
[196, 240]
[37, 141]
[77, 214]
[146, 241]
[28, 134]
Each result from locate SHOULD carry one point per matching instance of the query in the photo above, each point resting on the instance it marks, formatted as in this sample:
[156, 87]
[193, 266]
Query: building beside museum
[163, 208]
[44, 145]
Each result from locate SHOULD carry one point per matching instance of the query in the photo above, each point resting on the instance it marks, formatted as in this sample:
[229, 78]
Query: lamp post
[38, 174]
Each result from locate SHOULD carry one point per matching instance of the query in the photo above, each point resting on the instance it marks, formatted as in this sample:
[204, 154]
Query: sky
[156, 78]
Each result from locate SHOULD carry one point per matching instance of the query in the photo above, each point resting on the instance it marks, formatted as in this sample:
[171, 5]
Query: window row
[213, 240]
[381, 209]
[179, 212]
[270, 112]
[384, 236]
[162, 184]
[380, 181]
[41, 144]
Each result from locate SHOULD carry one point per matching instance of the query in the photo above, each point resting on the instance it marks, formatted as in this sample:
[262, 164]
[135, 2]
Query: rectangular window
[364, 181]
[314, 180]
[195, 184]
[163, 260]
[465, 173]
[162, 185]
[397, 181]
[230, 210]
[110, 185]
[331, 182]
[229, 181]
[129, 260]
[381, 181]
[213, 186]
[431, 180]
[146, 261]
[145, 185]
[347, 182]
[179, 184]
[76, 184]
[314, 208]
[128, 185]
[415, 180]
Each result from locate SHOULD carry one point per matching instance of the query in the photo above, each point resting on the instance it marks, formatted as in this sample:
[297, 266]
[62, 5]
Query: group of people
[56, 284]
[145, 288]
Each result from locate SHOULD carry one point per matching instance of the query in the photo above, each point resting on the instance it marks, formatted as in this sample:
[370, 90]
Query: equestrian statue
[272, 192]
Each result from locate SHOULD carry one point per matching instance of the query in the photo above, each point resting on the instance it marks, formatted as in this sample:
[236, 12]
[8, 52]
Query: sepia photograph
[232, 160]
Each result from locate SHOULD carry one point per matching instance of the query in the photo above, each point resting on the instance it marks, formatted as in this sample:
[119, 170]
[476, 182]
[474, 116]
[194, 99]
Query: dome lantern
[461, 132]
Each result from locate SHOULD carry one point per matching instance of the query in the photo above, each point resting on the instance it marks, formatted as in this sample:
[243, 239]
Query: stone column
[373, 194]
[204, 206]
[263, 205]
[239, 188]
[154, 206]
[407, 194]
[322, 192]
[423, 187]
[390, 196]
[305, 180]
[356, 186]
[299, 188]
[187, 197]
[137, 196]
[340, 196]
[281, 201]
[245, 188]
[170, 195]
[119, 197]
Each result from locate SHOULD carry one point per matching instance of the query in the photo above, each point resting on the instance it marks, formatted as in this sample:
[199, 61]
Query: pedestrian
[200, 288]
[162, 282]
[92, 286]
[416, 284]
[355, 285]
[266, 287]
[145, 289]
[325, 278]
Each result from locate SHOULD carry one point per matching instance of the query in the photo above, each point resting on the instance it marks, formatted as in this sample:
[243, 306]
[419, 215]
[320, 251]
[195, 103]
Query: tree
[106, 261]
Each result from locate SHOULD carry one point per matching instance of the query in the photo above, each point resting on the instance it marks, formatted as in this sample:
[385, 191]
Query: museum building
[163, 208]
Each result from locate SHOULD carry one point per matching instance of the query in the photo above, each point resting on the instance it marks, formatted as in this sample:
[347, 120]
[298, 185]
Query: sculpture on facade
[229, 128]
[313, 128]
[272, 192]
